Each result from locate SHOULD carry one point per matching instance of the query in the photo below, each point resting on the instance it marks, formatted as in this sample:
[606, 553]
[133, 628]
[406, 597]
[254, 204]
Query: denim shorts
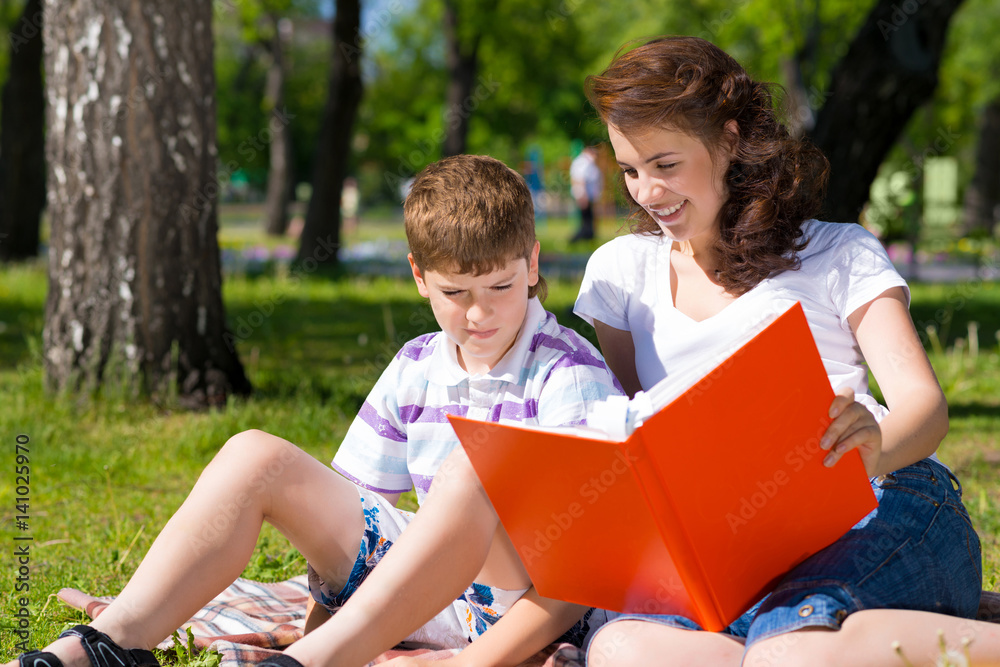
[917, 550]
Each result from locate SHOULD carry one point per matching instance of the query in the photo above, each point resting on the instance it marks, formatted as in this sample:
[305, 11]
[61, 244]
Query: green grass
[106, 474]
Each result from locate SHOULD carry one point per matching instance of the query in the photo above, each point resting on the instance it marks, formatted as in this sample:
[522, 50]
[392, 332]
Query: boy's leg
[208, 542]
[433, 562]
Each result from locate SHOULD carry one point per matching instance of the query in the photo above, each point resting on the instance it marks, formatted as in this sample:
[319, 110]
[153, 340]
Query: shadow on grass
[20, 331]
[971, 410]
[950, 309]
[328, 340]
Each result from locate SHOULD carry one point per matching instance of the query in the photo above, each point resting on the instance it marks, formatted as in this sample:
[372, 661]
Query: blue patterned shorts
[468, 617]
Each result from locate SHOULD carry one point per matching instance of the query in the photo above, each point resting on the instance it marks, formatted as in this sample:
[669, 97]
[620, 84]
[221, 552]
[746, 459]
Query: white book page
[648, 403]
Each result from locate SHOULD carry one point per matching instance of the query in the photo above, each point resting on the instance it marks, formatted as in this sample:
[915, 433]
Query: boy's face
[481, 314]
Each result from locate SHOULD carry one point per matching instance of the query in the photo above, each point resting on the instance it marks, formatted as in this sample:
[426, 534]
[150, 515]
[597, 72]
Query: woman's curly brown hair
[775, 182]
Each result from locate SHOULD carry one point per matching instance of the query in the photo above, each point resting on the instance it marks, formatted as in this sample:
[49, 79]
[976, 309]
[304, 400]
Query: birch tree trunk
[134, 297]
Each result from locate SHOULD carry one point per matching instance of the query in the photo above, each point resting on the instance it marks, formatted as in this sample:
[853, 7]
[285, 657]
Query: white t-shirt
[627, 286]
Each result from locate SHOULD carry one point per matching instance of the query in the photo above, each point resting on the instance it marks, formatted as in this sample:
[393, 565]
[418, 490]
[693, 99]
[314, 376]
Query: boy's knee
[256, 449]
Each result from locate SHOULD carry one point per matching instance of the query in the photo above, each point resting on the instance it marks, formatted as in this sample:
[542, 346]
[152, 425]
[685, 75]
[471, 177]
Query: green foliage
[531, 95]
[186, 655]
[534, 56]
[10, 15]
[244, 30]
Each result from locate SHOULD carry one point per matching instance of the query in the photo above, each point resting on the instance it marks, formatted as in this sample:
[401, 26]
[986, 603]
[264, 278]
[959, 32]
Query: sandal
[281, 660]
[102, 651]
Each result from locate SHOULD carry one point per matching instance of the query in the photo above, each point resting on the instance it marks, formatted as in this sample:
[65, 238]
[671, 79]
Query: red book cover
[701, 510]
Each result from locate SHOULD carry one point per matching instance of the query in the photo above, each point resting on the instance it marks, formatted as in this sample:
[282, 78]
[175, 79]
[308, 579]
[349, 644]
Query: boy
[499, 357]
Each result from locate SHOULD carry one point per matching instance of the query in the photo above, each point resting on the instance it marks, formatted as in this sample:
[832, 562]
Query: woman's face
[673, 177]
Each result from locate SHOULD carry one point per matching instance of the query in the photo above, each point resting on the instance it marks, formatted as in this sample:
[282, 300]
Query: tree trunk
[798, 74]
[22, 140]
[321, 232]
[134, 300]
[982, 197]
[463, 64]
[279, 179]
[800, 114]
[889, 70]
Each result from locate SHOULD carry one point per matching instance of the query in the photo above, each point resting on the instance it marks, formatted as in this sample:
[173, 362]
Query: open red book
[702, 509]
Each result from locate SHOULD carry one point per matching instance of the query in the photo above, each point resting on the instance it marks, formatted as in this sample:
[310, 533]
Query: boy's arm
[528, 627]
[531, 624]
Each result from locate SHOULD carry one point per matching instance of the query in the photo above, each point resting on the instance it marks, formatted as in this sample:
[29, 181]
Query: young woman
[723, 201]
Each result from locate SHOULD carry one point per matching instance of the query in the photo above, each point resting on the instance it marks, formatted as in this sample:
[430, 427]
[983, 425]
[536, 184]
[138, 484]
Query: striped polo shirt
[549, 377]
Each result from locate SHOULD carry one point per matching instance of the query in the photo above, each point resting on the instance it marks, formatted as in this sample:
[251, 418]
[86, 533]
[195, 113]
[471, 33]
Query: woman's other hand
[853, 427]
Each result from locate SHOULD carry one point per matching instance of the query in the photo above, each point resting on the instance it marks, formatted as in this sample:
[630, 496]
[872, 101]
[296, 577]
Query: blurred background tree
[320, 238]
[903, 95]
[22, 137]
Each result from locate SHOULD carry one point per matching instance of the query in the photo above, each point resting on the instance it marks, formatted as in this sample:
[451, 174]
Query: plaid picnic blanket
[250, 621]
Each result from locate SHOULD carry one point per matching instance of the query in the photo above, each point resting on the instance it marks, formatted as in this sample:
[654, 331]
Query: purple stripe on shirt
[422, 483]
[565, 362]
[434, 415]
[379, 424]
[573, 356]
[362, 484]
[418, 348]
[514, 410]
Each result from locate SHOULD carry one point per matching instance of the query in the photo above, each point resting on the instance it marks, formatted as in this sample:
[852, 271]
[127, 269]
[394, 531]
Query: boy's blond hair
[470, 214]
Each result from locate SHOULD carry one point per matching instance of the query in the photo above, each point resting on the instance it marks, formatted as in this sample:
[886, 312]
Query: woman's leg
[868, 638]
[627, 643]
[439, 554]
[917, 552]
[208, 542]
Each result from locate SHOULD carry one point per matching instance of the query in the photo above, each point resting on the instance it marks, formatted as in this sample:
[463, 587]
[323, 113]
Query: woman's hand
[853, 427]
